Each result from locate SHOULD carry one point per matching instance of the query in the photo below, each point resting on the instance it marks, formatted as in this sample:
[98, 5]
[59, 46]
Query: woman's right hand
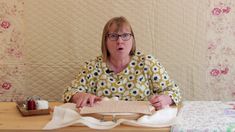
[85, 99]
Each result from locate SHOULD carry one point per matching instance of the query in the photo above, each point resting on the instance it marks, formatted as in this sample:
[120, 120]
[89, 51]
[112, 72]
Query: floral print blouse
[143, 77]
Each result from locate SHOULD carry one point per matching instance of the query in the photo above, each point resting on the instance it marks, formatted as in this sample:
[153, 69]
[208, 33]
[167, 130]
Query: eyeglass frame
[119, 35]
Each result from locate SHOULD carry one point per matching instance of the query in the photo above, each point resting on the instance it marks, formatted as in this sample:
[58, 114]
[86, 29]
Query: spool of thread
[31, 105]
[42, 104]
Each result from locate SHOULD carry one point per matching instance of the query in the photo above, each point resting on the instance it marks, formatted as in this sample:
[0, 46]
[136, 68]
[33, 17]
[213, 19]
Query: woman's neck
[118, 64]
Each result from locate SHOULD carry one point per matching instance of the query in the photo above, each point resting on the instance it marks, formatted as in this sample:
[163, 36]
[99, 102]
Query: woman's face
[119, 43]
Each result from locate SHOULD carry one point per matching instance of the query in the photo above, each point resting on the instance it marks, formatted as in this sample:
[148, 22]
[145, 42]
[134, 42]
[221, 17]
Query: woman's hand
[160, 101]
[85, 99]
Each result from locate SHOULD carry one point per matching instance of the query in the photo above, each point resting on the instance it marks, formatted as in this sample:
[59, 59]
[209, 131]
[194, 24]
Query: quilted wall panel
[63, 34]
[59, 35]
[181, 42]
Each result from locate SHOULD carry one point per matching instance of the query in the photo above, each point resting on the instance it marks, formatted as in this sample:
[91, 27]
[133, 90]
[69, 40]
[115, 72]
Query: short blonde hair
[120, 22]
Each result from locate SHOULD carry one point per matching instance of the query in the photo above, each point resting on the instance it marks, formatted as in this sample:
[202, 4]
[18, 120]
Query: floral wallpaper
[221, 48]
[11, 49]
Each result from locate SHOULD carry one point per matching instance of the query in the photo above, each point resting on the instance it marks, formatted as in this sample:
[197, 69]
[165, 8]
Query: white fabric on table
[66, 115]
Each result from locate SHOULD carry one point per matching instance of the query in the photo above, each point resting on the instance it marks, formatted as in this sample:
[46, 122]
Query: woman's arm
[79, 91]
[165, 91]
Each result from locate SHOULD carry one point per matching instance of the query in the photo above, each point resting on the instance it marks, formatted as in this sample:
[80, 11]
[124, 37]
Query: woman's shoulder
[147, 59]
[94, 61]
[144, 57]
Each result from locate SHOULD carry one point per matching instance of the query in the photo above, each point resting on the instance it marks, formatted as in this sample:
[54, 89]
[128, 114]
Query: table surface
[12, 120]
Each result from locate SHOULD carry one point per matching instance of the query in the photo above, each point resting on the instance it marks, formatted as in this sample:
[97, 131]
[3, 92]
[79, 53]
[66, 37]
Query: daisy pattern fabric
[143, 77]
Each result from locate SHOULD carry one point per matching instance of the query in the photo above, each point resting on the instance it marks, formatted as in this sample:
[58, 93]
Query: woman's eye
[113, 35]
[125, 35]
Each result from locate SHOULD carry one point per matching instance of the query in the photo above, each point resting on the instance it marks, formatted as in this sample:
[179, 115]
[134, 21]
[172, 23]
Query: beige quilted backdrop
[59, 35]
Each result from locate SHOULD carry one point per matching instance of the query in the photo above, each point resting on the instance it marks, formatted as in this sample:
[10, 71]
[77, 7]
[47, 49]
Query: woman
[122, 72]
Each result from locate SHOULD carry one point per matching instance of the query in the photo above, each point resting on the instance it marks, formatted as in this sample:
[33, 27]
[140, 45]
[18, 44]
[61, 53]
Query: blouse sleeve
[80, 83]
[160, 80]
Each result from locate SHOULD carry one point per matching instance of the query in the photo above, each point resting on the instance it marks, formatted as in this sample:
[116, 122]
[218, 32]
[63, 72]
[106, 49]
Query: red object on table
[31, 105]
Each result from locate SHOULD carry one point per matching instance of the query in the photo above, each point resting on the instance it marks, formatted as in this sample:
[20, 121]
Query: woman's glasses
[115, 36]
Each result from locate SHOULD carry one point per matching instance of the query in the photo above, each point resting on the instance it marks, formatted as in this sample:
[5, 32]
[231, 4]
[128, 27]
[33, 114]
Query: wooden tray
[26, 112]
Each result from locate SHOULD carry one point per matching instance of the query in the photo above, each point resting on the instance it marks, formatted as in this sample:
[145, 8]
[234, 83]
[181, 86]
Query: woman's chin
[121, 54]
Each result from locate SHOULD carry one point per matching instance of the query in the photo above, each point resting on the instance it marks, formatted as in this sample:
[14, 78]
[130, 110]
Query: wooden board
[103, 117]
[139, 107]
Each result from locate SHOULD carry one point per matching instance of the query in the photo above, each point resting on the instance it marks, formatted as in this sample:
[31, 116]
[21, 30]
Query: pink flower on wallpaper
[216, 11]
[226, 10]
[14, 52]
[18, 54]
[5, 24]
[212, 46]
[6, 85]
[215, 72]
[10, 50]
[233, 94]
[225, 71]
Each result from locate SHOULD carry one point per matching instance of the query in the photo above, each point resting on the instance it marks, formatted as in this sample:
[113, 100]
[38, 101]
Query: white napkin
[66, 115]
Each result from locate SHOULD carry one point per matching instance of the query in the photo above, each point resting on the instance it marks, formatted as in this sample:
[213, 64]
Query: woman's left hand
[160, 101]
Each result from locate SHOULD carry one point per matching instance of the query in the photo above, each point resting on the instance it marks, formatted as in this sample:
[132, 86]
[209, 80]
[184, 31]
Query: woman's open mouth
[120, 49]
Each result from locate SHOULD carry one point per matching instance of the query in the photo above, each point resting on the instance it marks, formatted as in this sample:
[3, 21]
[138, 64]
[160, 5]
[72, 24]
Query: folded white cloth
[42, 104]
[66, 115]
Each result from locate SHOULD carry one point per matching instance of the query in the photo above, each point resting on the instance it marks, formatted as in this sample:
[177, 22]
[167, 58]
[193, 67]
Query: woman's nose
[119, 39]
